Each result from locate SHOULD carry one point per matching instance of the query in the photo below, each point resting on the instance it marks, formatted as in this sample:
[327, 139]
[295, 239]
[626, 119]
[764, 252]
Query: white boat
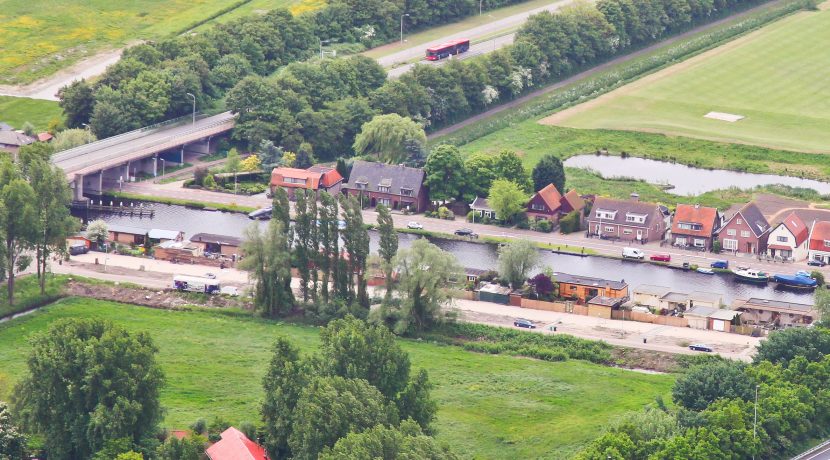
[705, 271]
[750, 275]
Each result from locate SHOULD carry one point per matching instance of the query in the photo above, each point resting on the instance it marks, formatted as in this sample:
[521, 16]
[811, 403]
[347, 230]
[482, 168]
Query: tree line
[716, 402]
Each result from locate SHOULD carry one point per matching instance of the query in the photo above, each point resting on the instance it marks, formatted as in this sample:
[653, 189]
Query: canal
[685, 180]
[482, 256]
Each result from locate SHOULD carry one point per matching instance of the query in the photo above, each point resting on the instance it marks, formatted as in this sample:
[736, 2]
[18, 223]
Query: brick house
[11, 141]
[694, 225]
[396, 186]
[585, 288]
[745, 232]
[549, 204]
[819, 248]
[317, 178]
[627, 220]
[789, 240]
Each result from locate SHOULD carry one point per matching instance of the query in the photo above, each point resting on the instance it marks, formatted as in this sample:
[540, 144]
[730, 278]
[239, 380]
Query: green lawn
[41, 36]
[491, 406]
[776, 77]
[18, 110]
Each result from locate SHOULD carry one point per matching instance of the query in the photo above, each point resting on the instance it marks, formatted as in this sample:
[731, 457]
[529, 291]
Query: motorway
[400, 62]
[820, 452]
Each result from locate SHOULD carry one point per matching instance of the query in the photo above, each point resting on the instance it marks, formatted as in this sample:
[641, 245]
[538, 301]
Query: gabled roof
[329, 176]
[589, 281]
[819, 234]
[235, 446]
[396, 177]
[624, 207]
[797, 227]
[15, 138]
[309, 180]
[694, 214]
[753, 217]
[651, 289]
[44, 137]
[480, 204]
[117, 228]
[550, 196]
[573, 200]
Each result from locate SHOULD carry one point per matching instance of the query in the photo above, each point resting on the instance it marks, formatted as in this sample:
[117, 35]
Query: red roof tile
[694, 214]
[573, 201]
[550, 196]
[797, 227]
[235, 446]
[820, 234]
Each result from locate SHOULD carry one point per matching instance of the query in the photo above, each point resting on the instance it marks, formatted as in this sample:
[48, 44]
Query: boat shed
[775, 313]
[601, 306]
[649, 295]
[492, 292]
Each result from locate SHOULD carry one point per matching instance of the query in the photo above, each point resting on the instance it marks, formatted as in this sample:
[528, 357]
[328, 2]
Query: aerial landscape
[439, 229]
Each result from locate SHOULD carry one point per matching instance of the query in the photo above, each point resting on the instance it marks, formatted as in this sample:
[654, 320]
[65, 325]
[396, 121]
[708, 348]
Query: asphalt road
[821, 452]
[399, 61]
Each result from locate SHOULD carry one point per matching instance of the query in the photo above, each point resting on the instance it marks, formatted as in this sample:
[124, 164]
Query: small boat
[260, 214]
[801, 280]
[750, 275]
[705, 271]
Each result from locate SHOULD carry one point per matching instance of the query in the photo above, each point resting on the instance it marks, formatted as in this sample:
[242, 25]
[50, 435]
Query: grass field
[18, 110]
[41, 36]
[776, 77]
[490, 406]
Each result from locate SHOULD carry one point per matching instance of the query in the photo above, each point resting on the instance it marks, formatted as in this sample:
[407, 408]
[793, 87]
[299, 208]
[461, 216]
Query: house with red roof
[316, 178]
[235, 446]
[746, 231]
[551, 205]
[694, 226]
[819, 245]
[789, 239]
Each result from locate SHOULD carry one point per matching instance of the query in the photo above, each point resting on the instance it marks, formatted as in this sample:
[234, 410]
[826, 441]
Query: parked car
[466, 232]
[700, 347]
[520, 322]
[660, 257]
[723, 264]
[232, 291]
[78, 248]
[633, 253]
[816, 263]
[414, 225]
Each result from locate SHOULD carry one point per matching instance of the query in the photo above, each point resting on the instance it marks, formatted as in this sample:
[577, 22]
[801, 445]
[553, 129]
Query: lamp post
[194, 107]
[479, 7]
[402, 16]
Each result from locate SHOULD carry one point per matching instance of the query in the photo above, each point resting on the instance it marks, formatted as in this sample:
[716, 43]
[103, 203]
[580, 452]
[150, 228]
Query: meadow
[16, 111]
[490, 406]
[773, 77]
[42, 36]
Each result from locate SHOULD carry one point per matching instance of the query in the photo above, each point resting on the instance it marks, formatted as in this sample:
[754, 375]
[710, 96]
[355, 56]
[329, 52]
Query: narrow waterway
[482, 256]
[685, 180]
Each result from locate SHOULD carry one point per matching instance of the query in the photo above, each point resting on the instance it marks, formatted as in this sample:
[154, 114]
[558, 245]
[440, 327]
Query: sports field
[39, 37]
[777, 78]
[490, 406]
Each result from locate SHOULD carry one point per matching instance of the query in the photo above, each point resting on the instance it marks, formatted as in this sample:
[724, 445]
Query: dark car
[78, 248]
[816, 263]
[524, 323]
[700, 347]
[724, 264]
[466, 232]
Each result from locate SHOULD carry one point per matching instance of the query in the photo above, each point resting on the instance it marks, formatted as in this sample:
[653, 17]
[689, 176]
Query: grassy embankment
[490, 406]
[181, 202]
[16, 111]
[41, 37]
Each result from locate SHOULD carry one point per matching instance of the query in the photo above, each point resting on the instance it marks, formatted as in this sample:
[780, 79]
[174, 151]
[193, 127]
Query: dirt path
[47, 88]
[594, 70]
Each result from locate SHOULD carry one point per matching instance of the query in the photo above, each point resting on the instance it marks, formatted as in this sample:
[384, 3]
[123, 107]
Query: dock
[112, 207]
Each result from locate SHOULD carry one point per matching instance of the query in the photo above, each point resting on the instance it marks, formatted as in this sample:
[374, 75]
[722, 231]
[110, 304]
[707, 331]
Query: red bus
[448, 49]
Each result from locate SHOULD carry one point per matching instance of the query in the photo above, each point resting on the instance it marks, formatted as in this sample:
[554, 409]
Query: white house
[789, 240]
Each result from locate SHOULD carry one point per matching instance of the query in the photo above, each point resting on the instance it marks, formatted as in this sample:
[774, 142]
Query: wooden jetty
[119, 208]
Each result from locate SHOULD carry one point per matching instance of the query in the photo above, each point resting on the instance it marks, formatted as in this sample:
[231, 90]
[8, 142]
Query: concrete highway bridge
[122, 158]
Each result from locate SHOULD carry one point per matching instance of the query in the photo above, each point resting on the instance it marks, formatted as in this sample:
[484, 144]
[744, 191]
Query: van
[633, 253]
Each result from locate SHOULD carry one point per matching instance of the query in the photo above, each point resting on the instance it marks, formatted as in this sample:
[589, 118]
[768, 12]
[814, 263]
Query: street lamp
[194, 107]
[479, 6]
[402, 16]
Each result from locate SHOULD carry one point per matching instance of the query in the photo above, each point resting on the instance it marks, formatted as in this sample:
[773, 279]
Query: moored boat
[750, 275]
[801, 280]
[705, 271]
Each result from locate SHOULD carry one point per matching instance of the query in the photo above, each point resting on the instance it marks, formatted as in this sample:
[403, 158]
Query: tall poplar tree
[388, 245]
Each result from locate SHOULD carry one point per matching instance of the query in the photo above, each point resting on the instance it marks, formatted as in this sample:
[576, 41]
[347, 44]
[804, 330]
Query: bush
[570, 223]
[209, 182]
[199, 175]
[544, 226]
[470, 216]
[445, 213]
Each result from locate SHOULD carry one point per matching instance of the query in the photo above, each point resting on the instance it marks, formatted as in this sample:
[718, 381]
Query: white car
[415, 225]
[232, 291]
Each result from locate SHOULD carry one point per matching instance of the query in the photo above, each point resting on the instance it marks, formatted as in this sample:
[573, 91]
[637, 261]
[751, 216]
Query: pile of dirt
[636, 358]
[166, 298]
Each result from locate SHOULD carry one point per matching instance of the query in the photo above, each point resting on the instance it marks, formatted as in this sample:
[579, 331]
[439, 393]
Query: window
[385, 201]
[635, 218]
[361, 185]
[744, 233]
[383, 189]
[294, 180]
[609, 229]
[782, 239]
[827, 243]
[700, 243]
[406, 191]
[731, 232]
[689, 226]
[680, 241]
[731, 245]
[605, 214]
[739, 221]
[572, 287]
[537, 207]
[627, 231]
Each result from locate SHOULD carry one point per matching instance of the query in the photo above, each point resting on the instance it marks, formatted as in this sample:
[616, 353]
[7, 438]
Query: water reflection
[685, 179]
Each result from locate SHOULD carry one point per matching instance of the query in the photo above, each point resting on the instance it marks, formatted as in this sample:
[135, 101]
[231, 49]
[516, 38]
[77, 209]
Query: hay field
[39, 37]
[776, 77]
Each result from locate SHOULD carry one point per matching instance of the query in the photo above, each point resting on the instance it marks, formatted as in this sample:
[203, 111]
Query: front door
[639, 235]
[750, 248]
[591, 293]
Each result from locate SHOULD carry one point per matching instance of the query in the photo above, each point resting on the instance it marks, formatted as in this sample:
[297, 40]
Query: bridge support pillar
[126, 172]
[155, 165]
[78, 187]
[101, 181]
[181, 156]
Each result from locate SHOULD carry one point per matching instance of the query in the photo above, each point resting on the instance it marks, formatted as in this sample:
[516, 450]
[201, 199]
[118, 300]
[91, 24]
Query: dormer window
[635, 218]
[406, 191]
[606, 214]
[383, 189]
[362, 185]
[690, 226]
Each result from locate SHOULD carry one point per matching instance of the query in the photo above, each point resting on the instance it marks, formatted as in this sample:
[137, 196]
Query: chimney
[635, 196]
[697, 205]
